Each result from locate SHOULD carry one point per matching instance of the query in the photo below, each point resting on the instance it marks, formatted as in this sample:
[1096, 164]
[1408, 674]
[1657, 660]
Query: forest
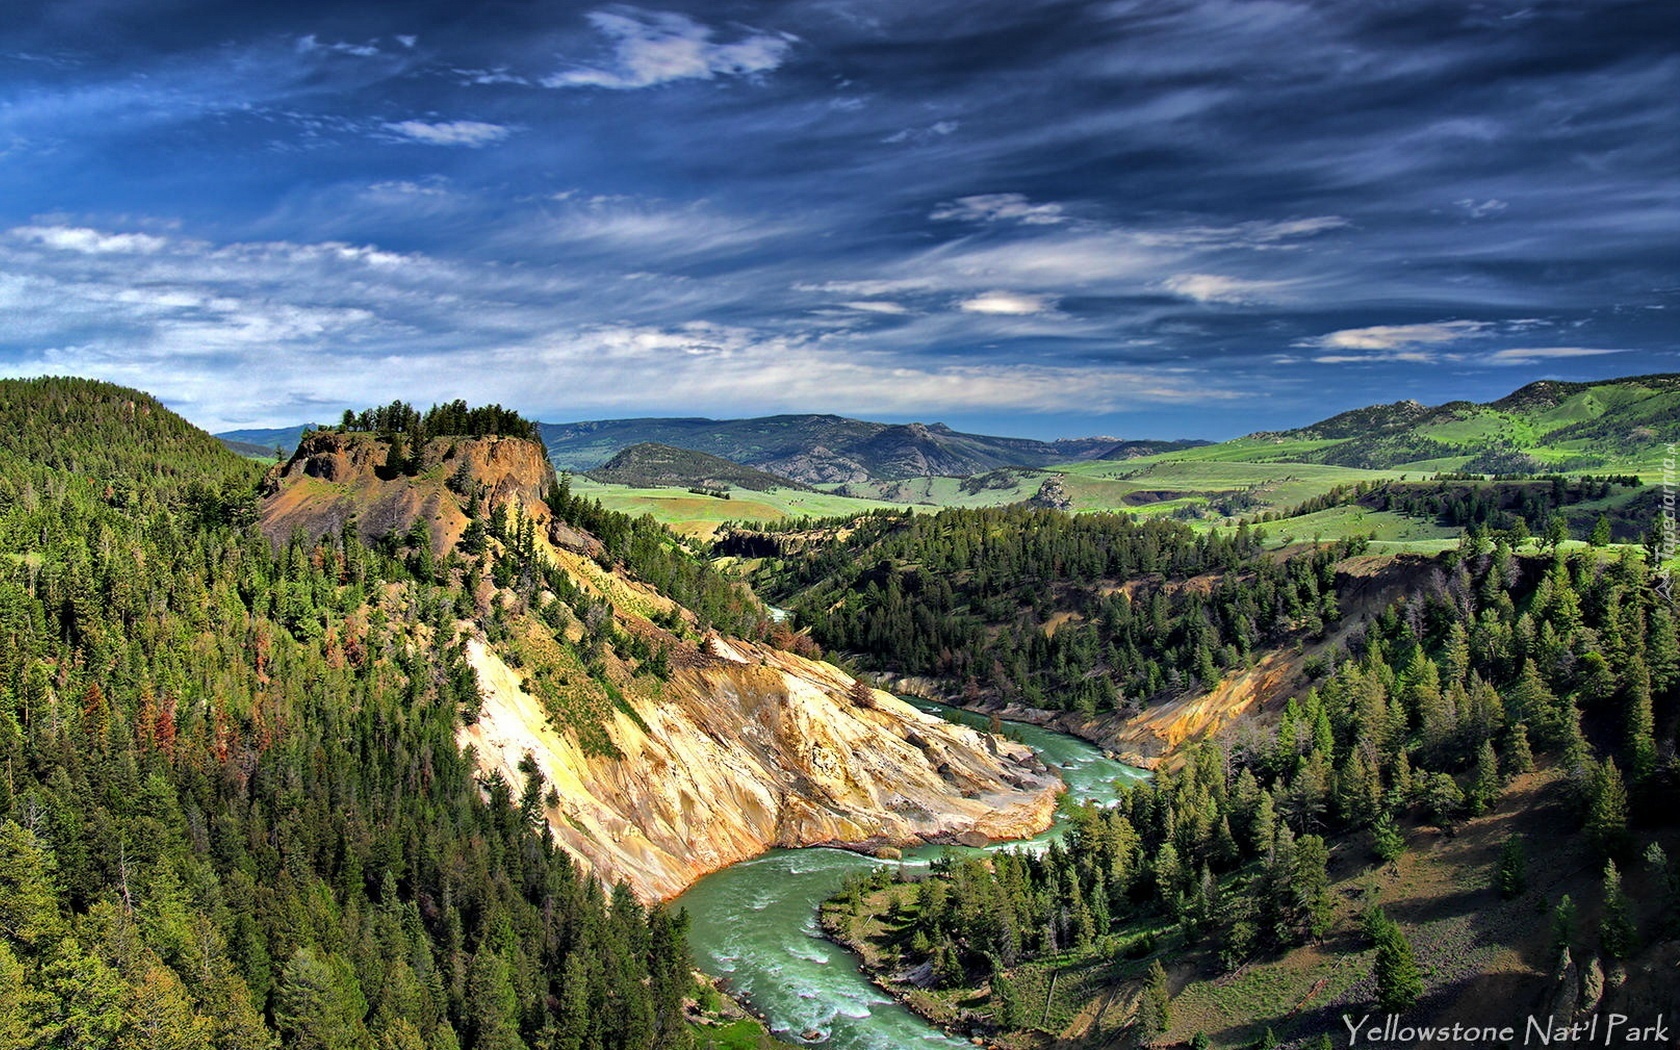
[1148, 608]
[232, 810]
[1428, 712]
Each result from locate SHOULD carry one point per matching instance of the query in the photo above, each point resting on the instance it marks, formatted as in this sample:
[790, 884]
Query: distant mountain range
[1546, 425]
[247, 442]
[819, 449]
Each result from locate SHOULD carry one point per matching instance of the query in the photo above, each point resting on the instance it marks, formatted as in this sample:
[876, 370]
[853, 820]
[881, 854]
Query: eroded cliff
[752, 749]
[651, 776]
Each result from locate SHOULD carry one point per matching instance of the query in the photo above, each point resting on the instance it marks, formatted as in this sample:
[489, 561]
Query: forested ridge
[1149, 607]
[1426, 715]
[232, 811]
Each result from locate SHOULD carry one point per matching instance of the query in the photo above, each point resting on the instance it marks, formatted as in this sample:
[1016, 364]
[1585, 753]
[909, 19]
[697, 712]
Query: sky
[1143, 218]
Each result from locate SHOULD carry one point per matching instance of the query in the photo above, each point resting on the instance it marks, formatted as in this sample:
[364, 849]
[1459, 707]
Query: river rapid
[754, 924]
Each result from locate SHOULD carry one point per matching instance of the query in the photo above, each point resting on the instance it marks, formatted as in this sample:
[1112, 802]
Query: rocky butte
[740, 748]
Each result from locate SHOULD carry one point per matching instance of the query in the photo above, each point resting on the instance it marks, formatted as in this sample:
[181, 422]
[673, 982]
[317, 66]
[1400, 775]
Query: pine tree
[1386, 840]
[1511, 876]
[1641, 742]
[1607, 802]
[1616, 929]
[319, 1004]
[1156, 1009]
[1486, 784]
[1399, 981]
[1563, 925]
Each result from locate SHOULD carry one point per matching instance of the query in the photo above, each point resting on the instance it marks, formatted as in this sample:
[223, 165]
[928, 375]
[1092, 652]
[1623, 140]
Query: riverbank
[755, 925]
[912, 987]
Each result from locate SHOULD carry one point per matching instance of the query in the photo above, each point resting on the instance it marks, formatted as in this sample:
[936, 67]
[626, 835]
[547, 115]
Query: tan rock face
[333, 476]
[757, 748]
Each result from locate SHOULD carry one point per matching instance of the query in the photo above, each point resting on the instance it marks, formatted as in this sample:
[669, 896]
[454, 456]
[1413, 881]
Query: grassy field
[694, 515]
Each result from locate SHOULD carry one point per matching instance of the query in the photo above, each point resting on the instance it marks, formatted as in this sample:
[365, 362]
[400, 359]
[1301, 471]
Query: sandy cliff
[754, 749]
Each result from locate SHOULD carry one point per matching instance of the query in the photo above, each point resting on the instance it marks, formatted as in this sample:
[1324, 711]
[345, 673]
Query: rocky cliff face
[756, 748]
[745, 747]
[333, 476]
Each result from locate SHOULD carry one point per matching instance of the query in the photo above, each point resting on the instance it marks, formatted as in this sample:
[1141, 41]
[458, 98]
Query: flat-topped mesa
[389, 485]
[753, 748]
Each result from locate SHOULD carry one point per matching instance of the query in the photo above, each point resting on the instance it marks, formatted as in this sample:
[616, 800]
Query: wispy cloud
[473, 134]
[310, 43]
[1482, 209]
[658, 47]
[999, 207]
[1215, 288]
[1008, 303]
[1399, 336]
[932, 133]
[1533, 355]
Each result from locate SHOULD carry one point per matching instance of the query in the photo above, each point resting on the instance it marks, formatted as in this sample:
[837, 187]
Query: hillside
[1547, 425]
[240, 808]
[652, 465]
[1384, 784]
[826, 449]
[609, 673]
[234, 814]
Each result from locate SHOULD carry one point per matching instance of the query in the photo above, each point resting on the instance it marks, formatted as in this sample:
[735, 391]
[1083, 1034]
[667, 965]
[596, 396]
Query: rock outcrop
[743, 748]
[756, 748]
[333, 476]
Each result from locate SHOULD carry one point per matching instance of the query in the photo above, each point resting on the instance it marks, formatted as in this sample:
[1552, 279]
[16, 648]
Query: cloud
[470, 133]
[1482, 209]
[999, 207]
[1399, 336]
[658, 47]
[1214, 288]
[310, 43]
[90, 242]
[931, 133]
[1016, 304]
[877, 306]
[1533, 355]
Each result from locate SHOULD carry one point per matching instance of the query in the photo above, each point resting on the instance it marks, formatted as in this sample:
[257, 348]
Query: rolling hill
[652, 465]
[1544, 426]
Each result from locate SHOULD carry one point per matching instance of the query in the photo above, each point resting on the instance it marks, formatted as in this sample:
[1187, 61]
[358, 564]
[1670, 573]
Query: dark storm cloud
[1128, 208]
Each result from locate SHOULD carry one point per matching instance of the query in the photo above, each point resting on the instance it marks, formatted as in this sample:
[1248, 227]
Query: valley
[517, 721]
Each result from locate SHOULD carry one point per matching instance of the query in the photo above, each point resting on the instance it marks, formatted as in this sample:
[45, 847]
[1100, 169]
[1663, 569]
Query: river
[754, 924]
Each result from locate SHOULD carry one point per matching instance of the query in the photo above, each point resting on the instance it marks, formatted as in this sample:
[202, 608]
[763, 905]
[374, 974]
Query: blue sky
[1046, 217]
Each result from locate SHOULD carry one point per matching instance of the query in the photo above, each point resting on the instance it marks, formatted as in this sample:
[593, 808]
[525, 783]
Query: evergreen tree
[319, 1004]
[1399, 981]
[1606, 817]
[1155, 1012]
[1616, 929]
[1511, 875]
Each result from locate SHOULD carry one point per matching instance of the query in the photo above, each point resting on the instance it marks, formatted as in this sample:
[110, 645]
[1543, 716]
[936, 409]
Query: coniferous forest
[1490, 666]
[232, 809]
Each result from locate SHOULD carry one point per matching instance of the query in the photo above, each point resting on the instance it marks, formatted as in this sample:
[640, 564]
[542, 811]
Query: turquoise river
[754, 924]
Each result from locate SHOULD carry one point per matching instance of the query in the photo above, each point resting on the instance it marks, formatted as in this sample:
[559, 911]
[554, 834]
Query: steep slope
[754, 748]
[233, 815]
[652, 465]
[656, 749]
